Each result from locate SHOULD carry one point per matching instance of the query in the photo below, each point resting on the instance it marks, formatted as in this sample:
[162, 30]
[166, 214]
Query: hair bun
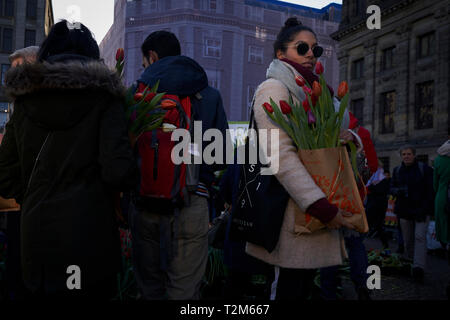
[292, 22]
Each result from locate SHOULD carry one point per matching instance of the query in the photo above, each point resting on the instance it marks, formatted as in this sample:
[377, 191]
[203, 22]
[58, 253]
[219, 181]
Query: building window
[31, 9]
[357, 107]
[424, 105]
[386, 163]
[153, 5]
[213, 78]
[387, 112]
[212, 5]
[254, 13]
[30, 38]
[7, 8]
[358, 69]
[255, 54]
[213, 47]
[425, 45]
[388, 57]
[5, 68]
[7, 40]
[3, 115]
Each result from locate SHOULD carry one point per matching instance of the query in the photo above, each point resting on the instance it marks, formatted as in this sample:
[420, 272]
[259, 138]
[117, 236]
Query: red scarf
[307, 74]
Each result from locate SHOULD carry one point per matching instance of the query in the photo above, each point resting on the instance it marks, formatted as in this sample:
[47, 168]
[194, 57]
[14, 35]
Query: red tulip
[138, 96]
[167, 104]
[285, 107]
[268, 107]
[305, 105]
[317, 89]
[307, 90]
[319, 68]
[149, 96]
[343, 89]
[120, 55]
[314, 100]
[300, 81]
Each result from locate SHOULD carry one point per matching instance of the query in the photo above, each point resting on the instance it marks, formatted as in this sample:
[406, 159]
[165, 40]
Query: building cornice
[193, 16]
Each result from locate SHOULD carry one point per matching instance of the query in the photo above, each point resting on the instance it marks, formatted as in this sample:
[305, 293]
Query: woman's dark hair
[291, 27]
[64, 40]
[164, 43]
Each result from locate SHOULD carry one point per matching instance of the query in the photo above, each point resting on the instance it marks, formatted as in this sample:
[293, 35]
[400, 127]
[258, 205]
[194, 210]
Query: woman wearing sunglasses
[296, 258]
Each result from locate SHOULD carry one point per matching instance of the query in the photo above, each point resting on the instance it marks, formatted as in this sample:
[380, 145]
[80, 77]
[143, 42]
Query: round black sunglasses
[303, 48]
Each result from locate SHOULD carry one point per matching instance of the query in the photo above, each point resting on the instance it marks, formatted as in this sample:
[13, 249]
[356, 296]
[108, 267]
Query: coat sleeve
[116, 159]
[10, 170]
[291, 172]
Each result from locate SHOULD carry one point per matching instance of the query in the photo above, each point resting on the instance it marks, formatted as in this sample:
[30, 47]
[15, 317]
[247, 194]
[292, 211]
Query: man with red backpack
[171, 220]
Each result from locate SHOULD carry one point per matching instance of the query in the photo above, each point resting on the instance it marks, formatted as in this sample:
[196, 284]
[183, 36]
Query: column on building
[237, 76]
[403, 106]
[442, 94]
[369, 76]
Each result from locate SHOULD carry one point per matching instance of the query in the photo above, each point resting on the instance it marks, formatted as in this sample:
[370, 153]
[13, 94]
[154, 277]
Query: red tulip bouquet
[145, 110]
[315, 128]
[316, 125]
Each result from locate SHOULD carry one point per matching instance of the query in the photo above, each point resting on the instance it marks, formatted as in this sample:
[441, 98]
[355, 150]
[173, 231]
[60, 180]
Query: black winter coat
[414, 192]
[68, 216]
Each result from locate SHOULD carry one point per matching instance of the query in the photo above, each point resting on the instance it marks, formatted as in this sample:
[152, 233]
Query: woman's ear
[280, 54]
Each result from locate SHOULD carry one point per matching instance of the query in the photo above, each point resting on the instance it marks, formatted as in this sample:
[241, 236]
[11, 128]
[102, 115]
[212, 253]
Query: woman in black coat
[66, 144]
[377, 204]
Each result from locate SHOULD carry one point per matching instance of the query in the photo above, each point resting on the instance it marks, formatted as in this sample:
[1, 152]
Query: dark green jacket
[68, 216]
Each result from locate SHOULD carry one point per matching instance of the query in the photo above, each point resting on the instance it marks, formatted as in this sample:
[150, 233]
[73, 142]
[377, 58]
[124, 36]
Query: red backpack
[163, 183]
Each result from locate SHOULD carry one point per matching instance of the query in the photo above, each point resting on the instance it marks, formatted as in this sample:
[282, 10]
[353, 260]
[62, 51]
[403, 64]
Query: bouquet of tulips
[315, 128]
[144, 110]
[316, 124]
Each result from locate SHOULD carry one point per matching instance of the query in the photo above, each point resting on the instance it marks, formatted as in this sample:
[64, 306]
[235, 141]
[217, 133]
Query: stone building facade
[398, 75]
[23, 23]
[231, 39]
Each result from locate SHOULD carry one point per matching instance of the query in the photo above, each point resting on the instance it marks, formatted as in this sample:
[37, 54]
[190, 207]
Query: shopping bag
[331, 170]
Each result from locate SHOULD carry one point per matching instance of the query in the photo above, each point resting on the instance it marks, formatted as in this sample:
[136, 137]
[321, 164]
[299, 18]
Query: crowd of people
[66, 154]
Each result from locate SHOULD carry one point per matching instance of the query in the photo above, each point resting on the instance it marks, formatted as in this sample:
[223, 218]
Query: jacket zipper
[36, 162]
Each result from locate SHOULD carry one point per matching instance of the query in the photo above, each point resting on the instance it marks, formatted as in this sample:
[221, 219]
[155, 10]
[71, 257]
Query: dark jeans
[294, 284]
[357, 256]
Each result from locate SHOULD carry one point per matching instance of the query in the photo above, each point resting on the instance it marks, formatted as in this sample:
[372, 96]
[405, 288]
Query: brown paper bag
[8, 205]
[331, 170]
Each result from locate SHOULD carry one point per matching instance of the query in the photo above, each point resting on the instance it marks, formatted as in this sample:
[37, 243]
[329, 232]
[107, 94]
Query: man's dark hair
[407, 147]
[164, 43]
[64, 40]
[291, 27]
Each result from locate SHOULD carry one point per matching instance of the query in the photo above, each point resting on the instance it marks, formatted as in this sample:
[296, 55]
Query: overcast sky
[98, 15]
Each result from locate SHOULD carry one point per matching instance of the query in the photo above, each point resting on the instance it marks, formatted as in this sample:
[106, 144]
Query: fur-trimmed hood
[58, 95]
[29, 78]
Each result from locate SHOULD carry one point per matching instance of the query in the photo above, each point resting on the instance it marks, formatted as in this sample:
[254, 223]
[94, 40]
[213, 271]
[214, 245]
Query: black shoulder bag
[261, 202]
